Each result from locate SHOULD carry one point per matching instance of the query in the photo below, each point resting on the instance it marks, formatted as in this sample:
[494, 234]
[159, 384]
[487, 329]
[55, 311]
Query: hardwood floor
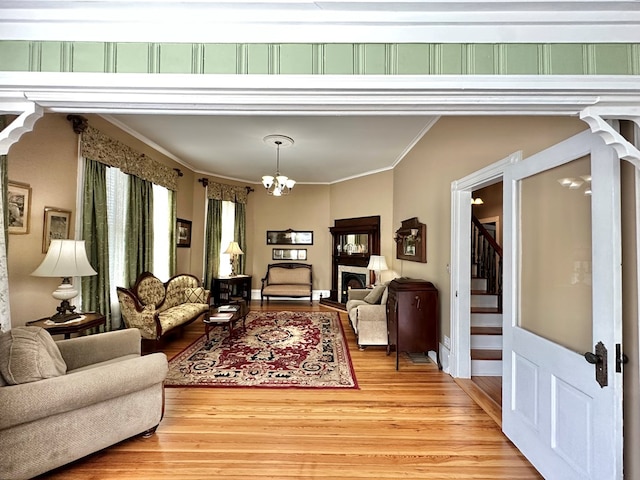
[415, 423]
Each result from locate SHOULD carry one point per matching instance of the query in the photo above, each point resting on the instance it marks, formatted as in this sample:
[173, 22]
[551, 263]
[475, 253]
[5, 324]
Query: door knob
[599, 359]
[592, 358]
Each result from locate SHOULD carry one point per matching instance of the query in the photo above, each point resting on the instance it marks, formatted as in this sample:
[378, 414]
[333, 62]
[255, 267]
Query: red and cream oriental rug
[277, 350]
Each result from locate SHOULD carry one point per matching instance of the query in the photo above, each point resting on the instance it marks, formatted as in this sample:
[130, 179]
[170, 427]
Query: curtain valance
[104, 149]
[227, 193]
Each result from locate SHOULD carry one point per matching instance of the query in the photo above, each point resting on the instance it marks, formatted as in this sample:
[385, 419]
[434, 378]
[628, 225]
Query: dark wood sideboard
[412, 317]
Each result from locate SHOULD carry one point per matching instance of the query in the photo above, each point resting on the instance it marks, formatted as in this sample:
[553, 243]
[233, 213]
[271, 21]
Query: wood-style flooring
[415, 423]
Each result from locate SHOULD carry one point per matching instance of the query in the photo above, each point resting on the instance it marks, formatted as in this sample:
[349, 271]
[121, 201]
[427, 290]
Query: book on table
[228, 308]
[220, 316]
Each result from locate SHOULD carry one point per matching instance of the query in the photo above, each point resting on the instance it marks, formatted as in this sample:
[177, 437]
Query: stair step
[479, 284]
[485, 354]
[486, 330]
[486, 368]
[484, 300]
[485, 310]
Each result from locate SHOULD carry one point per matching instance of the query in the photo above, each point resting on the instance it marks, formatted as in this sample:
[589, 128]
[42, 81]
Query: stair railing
[486, 254]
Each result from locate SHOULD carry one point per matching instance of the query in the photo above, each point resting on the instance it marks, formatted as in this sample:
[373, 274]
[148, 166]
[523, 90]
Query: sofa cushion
[29, 354]
[195, 295]
[375, 295]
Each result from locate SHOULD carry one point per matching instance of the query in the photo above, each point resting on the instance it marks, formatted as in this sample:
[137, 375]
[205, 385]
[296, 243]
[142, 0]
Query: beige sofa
[367, 310]
[61, 401]
[156, 308]
[287, 280]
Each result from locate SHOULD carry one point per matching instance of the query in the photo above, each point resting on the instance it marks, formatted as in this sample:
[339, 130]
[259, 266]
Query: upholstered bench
[156, 308]
[287, 280]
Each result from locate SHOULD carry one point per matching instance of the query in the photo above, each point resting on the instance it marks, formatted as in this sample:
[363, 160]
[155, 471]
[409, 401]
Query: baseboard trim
[483, 400]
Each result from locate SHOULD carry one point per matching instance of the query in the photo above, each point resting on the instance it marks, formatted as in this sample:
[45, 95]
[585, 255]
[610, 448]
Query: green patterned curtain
[212, 241]
[139, 235]
[95, 289]
[239, 233]
[173, 260]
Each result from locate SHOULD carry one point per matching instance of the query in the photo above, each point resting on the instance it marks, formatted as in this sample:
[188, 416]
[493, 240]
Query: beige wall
[454, 148]
[47, 159]
[307, 208]
[363, 197]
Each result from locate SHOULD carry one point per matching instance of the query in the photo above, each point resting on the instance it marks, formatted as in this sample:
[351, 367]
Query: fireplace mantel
[354, 240]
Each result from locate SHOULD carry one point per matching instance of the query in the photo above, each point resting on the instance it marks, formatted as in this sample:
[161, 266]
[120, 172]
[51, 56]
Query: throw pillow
[29, 354]
[375, 295]
[196, 295]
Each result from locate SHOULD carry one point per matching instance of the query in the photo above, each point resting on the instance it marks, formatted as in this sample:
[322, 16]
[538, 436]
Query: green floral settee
[156, 308]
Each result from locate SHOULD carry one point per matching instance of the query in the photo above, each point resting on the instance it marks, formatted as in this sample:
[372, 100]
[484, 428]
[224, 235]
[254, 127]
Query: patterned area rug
[278, 349]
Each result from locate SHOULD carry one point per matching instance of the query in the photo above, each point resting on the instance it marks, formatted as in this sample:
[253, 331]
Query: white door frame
[460, 353]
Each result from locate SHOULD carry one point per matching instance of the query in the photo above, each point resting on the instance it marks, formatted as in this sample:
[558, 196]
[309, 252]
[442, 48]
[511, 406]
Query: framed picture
[289, 237]
[57, 223]
[19, 205]
[183, 228]
[289, 254]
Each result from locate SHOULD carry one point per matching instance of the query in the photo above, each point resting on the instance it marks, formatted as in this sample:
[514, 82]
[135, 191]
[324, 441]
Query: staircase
[486, 331]
[486, 303]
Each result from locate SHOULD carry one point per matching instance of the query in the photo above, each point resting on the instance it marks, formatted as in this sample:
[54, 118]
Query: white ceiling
[326, 149]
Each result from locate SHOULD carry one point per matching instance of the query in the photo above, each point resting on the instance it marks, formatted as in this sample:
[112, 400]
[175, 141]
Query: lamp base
[66, 312]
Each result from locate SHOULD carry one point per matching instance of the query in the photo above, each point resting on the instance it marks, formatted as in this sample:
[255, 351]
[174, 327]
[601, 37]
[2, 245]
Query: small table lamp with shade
[377, 263]
[233, 250]
[66, 259]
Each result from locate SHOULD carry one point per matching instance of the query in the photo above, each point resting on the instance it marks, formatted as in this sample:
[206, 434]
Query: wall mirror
[411, 241]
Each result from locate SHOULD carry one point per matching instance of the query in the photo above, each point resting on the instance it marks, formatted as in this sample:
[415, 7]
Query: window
[228, 234]
[117, 195]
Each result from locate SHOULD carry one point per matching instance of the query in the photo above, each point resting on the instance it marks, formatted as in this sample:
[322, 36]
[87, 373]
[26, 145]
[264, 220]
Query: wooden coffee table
[240, 314]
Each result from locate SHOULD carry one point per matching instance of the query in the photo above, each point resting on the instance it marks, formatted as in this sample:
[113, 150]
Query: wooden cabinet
[412, 317]
[226, 289]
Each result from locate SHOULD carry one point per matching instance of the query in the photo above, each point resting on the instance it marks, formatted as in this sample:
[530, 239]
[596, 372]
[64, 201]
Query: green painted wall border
[322, 59]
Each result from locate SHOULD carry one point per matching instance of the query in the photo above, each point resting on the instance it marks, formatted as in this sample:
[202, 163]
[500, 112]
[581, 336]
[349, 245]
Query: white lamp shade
[377, 263]
[267, 181]
[234, 249]
[65, 258]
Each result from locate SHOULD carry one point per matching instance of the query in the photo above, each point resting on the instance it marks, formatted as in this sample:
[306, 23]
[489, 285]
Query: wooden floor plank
[414, 423]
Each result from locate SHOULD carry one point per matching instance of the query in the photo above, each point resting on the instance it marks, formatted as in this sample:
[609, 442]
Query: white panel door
[563, 296]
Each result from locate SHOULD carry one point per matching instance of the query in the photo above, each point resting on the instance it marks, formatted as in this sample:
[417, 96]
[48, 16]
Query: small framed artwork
[183, 228]
[289, 237]
[289, 254]
[56, 226]
[19, 206]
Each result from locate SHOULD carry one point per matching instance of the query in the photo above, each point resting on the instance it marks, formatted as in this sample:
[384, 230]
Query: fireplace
[350, 277]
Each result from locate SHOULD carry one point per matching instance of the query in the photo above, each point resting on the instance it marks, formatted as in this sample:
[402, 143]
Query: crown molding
[307, 21]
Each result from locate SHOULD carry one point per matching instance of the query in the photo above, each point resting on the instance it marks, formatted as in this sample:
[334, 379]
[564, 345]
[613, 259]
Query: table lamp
[233, 250]
[66, 259]
[377, 263]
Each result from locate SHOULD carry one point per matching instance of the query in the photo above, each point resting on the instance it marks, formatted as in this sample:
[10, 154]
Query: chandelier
[278, 185]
